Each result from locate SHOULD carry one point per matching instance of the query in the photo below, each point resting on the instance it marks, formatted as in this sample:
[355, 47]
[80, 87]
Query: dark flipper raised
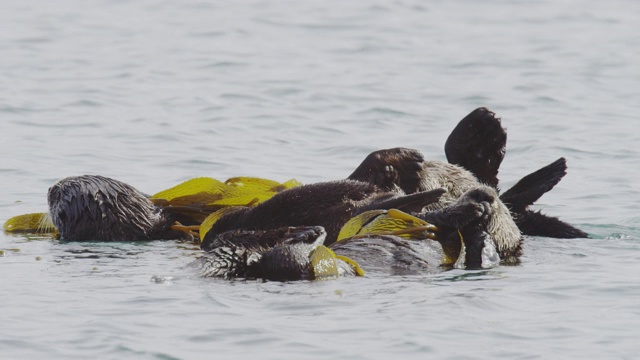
[531, 187]
[478, 143]
[391, 168]
[527, 191]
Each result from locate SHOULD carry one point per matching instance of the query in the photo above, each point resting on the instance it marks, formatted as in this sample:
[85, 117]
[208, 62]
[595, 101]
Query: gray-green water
[156, 92]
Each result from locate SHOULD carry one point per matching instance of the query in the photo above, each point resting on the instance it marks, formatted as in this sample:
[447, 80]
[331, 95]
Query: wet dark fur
[280, 254]
[478, 143]
[328, 204]
[93, 207]
[391, 169]
[527, 191]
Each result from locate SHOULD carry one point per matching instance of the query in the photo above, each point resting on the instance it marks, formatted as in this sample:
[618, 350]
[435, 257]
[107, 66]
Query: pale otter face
[290, 260]
[282, 254]
[92, 207]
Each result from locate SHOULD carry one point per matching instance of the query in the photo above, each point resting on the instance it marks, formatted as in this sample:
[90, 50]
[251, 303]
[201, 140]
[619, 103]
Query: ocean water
[157, 92]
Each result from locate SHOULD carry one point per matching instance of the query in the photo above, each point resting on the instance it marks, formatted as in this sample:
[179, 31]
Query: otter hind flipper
[534, 223]
[531, 187]
[478, 144]
[527, 191]
[409, 203]
[390, 169]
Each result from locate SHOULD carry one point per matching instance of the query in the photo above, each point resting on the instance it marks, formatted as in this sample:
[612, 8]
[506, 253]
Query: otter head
[92, 207]
[291, 259]
[477, 230]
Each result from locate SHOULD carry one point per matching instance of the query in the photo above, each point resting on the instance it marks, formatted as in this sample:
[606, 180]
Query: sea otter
[298, 253]
[93, 207]
[475, 149]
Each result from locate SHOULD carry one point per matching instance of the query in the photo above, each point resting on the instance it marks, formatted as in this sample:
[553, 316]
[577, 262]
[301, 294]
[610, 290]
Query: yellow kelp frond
[392, 222]
[242, 200]
[250, 191]
[254, 184]
[410, 219]
[356, 223]
[237, 191]
[323, 263]
[448, 259]
[208, 223]
[291, 183]
[195, 192]
[359, 271]
[31, 223]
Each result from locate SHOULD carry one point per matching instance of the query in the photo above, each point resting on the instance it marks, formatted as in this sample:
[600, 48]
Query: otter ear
[478, 144]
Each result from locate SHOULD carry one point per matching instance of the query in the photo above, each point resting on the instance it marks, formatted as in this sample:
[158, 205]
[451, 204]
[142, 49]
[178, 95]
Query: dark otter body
[328, 204]
[93, 207]
[287, 253]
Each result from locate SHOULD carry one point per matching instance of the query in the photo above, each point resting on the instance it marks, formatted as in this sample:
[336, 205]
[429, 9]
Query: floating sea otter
[404, 171]
[97, 208]
[475, 149]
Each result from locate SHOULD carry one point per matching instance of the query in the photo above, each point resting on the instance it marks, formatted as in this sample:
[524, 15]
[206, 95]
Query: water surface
[154, 93]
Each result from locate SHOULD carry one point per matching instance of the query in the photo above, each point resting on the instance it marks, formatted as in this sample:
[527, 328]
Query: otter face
[282, 254]
[465, 228]
[291, 259]
[99, 208]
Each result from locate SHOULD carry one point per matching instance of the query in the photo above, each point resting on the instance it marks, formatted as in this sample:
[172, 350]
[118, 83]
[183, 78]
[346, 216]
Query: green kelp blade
[208, 223]
[291, 183]
[250, 191]
[356, 223]
[410, 219]
[252, 199]
[37, 223]
[392, 222]
[359, 271]
[194, 192]
[323, 263]
[260, 185]
[252, 184]
[399, 223]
